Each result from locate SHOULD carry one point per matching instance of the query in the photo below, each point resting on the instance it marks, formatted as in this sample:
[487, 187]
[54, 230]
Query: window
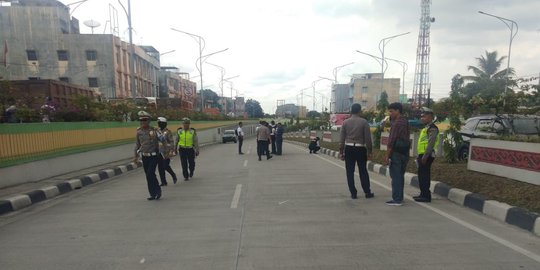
[63, 55]
[364, 89]
[91, 55]
[64, 79]
[93, 82]
[31, 55]
[364, 103]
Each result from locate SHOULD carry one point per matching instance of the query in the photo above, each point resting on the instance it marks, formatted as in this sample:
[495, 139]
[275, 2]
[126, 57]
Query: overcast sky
[280, 47]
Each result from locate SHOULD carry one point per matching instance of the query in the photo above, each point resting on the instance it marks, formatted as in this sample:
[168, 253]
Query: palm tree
[488, 68]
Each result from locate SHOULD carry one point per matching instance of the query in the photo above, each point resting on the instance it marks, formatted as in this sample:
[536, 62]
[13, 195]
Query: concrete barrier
[43, 169]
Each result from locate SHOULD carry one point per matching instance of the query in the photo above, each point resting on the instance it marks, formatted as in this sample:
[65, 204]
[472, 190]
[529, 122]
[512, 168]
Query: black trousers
[240, 143]
[424, 176]
[279, 147]
[357, 156]
[273, 137]
[262, 148]
[187, 159]
[149, 165]
[165, 165]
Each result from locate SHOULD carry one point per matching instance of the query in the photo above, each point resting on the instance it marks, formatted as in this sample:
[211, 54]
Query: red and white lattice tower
[421, 89]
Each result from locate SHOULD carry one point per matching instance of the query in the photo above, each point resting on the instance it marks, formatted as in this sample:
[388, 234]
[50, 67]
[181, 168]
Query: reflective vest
[423, 139]
[185, 139]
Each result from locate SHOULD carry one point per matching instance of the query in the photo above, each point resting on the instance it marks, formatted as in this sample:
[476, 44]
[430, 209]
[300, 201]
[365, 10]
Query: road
[291, 212]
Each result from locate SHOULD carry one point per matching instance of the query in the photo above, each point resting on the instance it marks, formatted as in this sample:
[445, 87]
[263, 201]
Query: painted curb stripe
[20, 201]
[442, 189]
[50, 192]
[521, 218]
[382, 170]
[475, 201]
[86, 180]
[64, 187]
[36, 196]
[103, 175]
[5, 207]
[117, 171]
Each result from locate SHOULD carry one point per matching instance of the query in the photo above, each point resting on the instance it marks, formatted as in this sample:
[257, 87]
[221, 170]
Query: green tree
[452, 138]
[381, 110]
[488, 68]
[253, 109]
[313, 114]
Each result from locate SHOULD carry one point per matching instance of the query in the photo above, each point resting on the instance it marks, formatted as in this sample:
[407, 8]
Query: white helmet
[162, 119]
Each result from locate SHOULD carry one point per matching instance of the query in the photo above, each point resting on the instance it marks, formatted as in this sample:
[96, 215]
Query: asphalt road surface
[290, 212]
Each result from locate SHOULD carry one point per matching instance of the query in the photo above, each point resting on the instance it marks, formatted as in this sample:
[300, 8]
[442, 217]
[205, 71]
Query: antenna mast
[422, 84]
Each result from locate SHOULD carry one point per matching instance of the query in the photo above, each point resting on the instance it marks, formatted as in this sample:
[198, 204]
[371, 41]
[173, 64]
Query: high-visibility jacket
[185, 139]
[423, 139]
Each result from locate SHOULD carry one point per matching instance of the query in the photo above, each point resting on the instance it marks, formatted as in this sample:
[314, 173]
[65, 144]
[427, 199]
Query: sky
[277, 48]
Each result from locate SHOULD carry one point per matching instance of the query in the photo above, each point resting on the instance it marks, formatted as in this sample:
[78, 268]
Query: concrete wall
[514, 160]
[43, 169]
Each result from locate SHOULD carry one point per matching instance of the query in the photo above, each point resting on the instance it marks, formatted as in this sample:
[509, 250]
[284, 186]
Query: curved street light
[510, 24]
[202, 44]
[201, 61]
[382, 44]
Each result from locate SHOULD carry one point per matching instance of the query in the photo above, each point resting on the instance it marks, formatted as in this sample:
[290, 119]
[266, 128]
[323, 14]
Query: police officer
[188, 148]
[146, 144]
[355, 148]
[166, 150]
[427, 143]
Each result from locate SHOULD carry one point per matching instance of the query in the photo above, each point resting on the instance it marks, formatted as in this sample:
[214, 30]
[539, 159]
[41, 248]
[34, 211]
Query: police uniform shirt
[356, 130]
[166, 142]
[146, 141]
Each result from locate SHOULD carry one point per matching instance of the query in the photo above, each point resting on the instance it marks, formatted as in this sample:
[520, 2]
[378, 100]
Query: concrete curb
[512, 215]
[20, 201]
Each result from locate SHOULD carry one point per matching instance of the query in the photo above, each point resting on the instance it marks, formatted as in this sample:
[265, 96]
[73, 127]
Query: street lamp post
[510, 24]
[331, 90]
[222, 71]
[201, 61]
[231, 83]
[405, 67]
[131, 49]
[382, 44]
[313, 85]
[332, 94]
[202, 43]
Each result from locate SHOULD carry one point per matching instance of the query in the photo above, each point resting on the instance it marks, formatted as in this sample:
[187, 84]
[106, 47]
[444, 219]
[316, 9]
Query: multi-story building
[291, 110]
[43, 42]
[177, 85]
[342, 98]
[366, 89]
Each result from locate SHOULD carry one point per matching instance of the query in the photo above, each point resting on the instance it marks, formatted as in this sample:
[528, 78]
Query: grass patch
[493, 187]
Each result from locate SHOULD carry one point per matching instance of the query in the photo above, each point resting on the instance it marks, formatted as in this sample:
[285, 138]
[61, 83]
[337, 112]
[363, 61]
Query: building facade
[366, 89]
[42, 42]
[291, 110]
[176, 85]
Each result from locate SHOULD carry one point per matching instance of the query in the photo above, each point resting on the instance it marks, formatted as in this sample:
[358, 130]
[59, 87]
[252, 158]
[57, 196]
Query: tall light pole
[222, 71]
[201, 61]
[231, 83]
[336, 69]
[202, 43]
[405, 67]
[382, 44]
[333, 91]
[313, 85]
[510, 24]
[333, 83]
[131, 50]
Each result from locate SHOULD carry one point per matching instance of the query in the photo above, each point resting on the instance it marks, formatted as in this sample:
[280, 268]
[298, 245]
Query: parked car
[491, 125]
[229, 136]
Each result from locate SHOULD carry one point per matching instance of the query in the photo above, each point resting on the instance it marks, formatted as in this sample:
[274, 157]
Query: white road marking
[142, 260]
[245, 163]
[283, 202]
[236, 197]
[463, 223]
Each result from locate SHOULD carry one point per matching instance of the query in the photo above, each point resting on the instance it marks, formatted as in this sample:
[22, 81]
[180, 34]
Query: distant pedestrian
[356, 147]
[427, 143]
[273, 136]
[240, 135]
[166, 151]
[279, 139]
[314, 145]
[188, 148]
[146, 145]
[263, 138]
[397, 154]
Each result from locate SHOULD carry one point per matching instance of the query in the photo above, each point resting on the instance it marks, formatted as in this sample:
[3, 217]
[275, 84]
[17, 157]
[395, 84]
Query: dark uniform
[146, 145]
[427, 143]
[166, 150]
[188, 148]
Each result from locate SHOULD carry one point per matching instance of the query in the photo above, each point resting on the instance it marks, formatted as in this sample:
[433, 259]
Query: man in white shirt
[240, 135]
